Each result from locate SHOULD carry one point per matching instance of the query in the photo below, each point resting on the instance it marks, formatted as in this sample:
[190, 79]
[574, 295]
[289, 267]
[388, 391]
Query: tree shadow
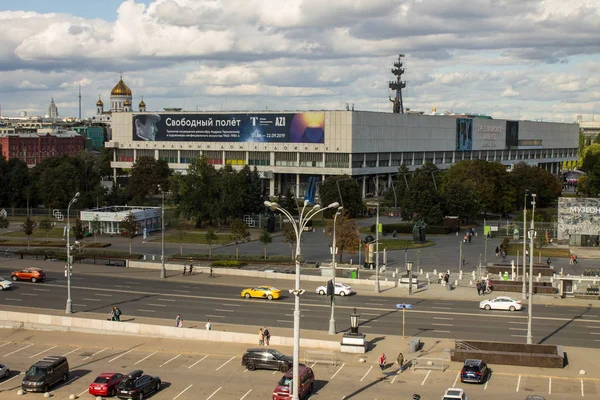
[368, 386]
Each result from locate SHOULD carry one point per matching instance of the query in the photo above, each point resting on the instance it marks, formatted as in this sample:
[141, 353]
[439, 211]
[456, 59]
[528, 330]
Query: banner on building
[464, 134]
[578, 216]
[512, 134]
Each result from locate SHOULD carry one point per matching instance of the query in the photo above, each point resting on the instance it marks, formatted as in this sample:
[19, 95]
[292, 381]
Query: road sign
[406, 306]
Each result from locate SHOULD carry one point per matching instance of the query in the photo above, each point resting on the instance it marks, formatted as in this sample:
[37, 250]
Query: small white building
[148, 218]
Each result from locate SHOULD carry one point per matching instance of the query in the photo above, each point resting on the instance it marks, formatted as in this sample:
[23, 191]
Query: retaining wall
[526, 355]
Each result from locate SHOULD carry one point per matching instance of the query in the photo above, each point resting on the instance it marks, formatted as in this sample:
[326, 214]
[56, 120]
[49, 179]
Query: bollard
[144, 257]
[470, 283]
[499, 275]
[456, 283]
[448, 271]
[153, 257]
[473, 273]
[429, 281]
[396, 270]
[427, 275]
[435, 272]
[537, 279]
[552, 279]
[393, 274]
[561, 272]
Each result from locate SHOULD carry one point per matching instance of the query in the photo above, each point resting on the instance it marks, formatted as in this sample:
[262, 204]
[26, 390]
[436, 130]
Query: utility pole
[377, 249]
[523, 295]
[530, 305]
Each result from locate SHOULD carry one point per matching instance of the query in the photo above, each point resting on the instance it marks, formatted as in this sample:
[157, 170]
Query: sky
[513, 59]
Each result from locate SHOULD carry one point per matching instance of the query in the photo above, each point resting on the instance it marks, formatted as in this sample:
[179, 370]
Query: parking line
[582, 395]
[456, 379]
[198, 361]
[166, 362]
[98, 352]
[72, 351]
[16, 351]
[157, 305]
[518, 382]
[486, 383]
[244, 396]
[549, 385]
[2, 345]
[165, 300]
[215, 392]
[37, 354]
[80, 394]
[336, 372]
[145, 358]
[427, 376]
[9, 379]
[182, 392]
[119, 356]
[225, 363]
[366, 374]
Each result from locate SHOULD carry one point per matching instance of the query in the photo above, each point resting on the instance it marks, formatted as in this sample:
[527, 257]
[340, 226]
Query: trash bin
[414, 345]
[448, 286]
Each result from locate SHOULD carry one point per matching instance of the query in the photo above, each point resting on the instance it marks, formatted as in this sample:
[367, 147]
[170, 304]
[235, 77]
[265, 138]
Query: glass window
[396, 159]
[235, 157]
[371, 160]
[169, 156]
[336, 160]
[358, 160]
[286, 159]
[384, 159]
[188, 156]
[213, 157]
[311, 159]
[259, 158]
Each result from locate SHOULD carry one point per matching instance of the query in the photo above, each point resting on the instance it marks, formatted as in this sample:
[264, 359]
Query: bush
[407, 228]
[242, 257]
[505, 244]
[227, 263]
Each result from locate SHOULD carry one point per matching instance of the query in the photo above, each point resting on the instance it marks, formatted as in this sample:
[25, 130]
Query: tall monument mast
[397, 86]
[80, 101]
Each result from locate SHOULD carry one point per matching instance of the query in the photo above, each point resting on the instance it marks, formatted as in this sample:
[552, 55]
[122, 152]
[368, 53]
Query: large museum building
[291, 148]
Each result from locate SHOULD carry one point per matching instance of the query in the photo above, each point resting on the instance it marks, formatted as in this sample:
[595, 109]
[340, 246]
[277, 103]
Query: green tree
[347, 238]
[539, 181]
[351, 196]
[129, 227]
[211, 238]
[147, 174]
[28, 227]
[253, 191]
[289, 236]
[265, 238]
[54, 182]
[396, 194]
[198, 192]
[95, 226]
[3, 224]
[239, 233]
[231, 192]
[422, 196]
[46, 225]
[183, 227]
[78, 229]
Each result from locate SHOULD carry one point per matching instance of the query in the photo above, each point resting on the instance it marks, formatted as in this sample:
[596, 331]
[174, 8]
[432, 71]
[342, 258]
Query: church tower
[99, 106]
[142, 106]
[119, 95]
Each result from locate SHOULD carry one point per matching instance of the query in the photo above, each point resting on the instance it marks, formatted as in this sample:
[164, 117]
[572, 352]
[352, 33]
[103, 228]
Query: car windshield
[471, 368]
[285, 380]
[36, 371]
[126, 383]
[101, 379]
[277, 354]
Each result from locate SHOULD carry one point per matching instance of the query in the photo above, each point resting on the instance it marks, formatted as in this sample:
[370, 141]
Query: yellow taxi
[263, 292]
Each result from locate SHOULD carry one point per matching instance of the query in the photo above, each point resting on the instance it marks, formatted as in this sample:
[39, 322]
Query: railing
[465, 346]
[320, 357]
[429, 363]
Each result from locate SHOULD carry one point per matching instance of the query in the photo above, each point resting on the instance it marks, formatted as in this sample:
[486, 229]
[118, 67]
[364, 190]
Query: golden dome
[142, 104]
[127, 103]
[121, 89]
[99, 103]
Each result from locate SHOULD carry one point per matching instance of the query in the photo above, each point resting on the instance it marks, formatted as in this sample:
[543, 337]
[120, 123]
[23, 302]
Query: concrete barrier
[18, 320]
[526, 355]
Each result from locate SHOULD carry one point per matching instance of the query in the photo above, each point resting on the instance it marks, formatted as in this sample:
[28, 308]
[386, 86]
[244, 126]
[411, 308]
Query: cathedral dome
[99, 103]
[142, 104]
[127, 103]
[121, 89]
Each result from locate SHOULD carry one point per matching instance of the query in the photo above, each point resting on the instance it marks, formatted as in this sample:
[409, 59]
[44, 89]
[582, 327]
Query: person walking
[382, 361]
[400, 361]
[178, 321]
[497, 251]
[117, 313]
[208, 325]
[261, 337]
[191, 268]
[478, 288]
[267, 335]
[184, 269]
[111, 314]
[575, 259]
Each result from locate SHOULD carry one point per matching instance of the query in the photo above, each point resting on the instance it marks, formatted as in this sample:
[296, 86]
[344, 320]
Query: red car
[106, 384]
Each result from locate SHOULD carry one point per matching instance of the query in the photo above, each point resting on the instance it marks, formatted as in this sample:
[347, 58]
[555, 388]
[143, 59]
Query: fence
[320, 357]
[514, 228]
[430, 363]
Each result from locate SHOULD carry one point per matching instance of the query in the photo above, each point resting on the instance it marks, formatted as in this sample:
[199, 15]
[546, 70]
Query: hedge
[227, 263]
[407, 228]
[61, 254]
[242, 257]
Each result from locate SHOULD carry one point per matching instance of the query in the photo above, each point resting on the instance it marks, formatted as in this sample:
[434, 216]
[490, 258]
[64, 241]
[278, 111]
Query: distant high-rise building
[52, 110]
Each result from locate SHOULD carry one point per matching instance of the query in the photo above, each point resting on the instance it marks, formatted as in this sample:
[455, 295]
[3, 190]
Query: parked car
[474, 371]
[307, 378]
[5, 284]
[263, 292]
[454, 394]
[106, 384]
[501, 303]
[4, 371]
[29, 274]
[42, 375]
[266, 359]
[340, 289]
[136, 385]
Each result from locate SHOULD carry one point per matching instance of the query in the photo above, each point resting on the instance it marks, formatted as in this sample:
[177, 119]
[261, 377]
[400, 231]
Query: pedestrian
[548, 261]
[117, 313]
[441, 278]
[111, 314]
[178, 321]
[465, 238]
[394, 235]
[446, 278]
[208, 325]
[497, 251]
[267, 335]
[470, 235]
[191, 268]
[575, 260]
[261, 337]
[488, 287]
[503, 255]
[571, 258]
[400, 361]
[478, 288]
[382, 361]
[527, 254]
[184, 269]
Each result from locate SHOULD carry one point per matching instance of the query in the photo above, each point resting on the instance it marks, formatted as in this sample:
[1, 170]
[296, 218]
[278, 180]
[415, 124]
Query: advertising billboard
[307, 127]
[512, 133]
[578, 216]
[464, 134]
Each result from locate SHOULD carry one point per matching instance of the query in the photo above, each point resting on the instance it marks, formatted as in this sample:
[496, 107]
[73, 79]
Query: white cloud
[510, 92]
[27, 85]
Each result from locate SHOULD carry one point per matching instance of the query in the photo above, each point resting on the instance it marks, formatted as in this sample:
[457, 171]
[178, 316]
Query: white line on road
[72, 351]
[518, 382]
[215, 316]
[594, 333]
[96, 353]
[42, 290]
[80, 394]
[10, 379]
[517, 329]
[336, 372]
[456, 379]
[16, 351]
[582, 395]
[438, 331]
[244, 396]
[91, 299]
[145, 358]
[594, 327]
[120, 355]
[198, 361]
[165, 299]
[215, 392]
[442, 324]
[218, 309]
[5, 344]
[102, 294]
[486, 383]
[166, 362]
[225, 363]
[123, 286]
[427, 376]
[516, 322]
[286, 321]
[13, 299]
[35, 355]
[291, 315]
[132, 283]
[365, 326]
[28, 294]
[142, 310]
[238, 305]
[80, 305]
[446, 318]
[182, 291]
[183, 391]
[376, 314]
[375, 304]
[518, 335]
[441, 308]
[157, 305]
[367, 373]
[549, 385]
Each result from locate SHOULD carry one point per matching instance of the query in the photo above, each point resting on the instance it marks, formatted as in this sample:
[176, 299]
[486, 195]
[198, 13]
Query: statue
[396, 102]
[419, 230]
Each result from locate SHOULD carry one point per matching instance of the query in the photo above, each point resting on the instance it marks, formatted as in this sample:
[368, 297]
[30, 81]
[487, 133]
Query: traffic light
[330, 290]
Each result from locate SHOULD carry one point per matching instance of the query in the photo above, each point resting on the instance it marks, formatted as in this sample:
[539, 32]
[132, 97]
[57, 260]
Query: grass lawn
[546, 252]
[195, 238]
[55, 233]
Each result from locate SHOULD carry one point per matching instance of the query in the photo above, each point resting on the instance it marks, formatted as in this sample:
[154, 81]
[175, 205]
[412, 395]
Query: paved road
[139, 294]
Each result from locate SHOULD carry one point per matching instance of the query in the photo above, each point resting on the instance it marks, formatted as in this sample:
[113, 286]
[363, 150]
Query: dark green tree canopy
[147, 174]
[351, 196]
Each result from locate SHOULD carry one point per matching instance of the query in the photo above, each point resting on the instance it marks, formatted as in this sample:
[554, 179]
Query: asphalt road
[139, 295]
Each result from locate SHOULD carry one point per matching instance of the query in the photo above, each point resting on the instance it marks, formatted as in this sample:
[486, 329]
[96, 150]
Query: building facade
[32, 148]
[289, 148]
[579, 220]
[94, 136]
[109, 218]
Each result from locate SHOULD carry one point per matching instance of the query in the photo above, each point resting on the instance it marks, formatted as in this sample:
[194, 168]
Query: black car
[266, 359]
[475, 371]
[136, 385]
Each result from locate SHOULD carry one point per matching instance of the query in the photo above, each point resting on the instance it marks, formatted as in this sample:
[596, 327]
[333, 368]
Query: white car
[454, 394]
[501, 303]
[341, 289]
[5, 284]
[4, 371]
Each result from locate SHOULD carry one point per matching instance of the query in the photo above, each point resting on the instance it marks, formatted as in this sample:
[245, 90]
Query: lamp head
[317, 207]
[334, 205]
[77, 195]
[306, 202]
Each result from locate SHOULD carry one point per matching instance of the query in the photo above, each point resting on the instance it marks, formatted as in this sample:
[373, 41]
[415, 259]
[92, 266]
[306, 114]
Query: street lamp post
[298, 229]
[523, 295]
[69, 306]
[376, 286]
[530, 305]
[163, 271]
[332, 330]
[409, 267]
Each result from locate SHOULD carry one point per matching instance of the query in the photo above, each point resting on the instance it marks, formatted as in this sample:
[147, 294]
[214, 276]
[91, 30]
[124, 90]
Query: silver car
[5, 284]
[4, 371]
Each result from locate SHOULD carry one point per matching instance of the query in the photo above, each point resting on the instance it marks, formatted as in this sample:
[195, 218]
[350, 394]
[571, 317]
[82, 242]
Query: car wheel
[247, 295]
[65, 377]
[7, 373]
[284, 368]
[112, 392]
[157, 386]
[322, 292]
[14, 277]
[342, 294]
[1, 288]
[46, 389]
[270, 297]
[511, 308]
[251, 366]
[34, 280]
[487, 307]
[141, 396]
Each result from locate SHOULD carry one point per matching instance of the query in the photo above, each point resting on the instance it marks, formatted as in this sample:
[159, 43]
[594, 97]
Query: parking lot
[212, 371]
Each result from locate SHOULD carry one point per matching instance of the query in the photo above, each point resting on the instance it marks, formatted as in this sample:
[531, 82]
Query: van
[45, 373]
[307, 378]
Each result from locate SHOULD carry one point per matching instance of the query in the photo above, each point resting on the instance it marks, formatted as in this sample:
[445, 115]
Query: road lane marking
[441, 308]
[10, 379]
[225, 363]
[438, 331]
[35, 355]
[375, 304]
[549, 385]
[427, 376]
[157, 305]
[286, 321]
[28, 294]
[132, 283]
[16, 351]
[442, 324]
[143, 310]
[517, 322]
[123, 286]
[13, 299]
[375, 314]
[244, 396]
[183, 391]
[517, 329]
[42, 290]
[81, 394]
[367, 373]
[365, 326]
[145, 358]
[215, 392]
[198, 361]
[120, 355]
[98, 352]
[218, 309]
[5, 344]
[72, 351]
[486, 383]
[166, 300]
[80, 305]
[594, 333]
[456, 379]
[313, 364]
[518, 335]
[102, 294]
[582, 395]
[166, 362]
[336, 372]
[215, 316]
[237, 305]
[518, 382]
[91, 299]
[181, 291]
[594, 327]
[446, 318]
